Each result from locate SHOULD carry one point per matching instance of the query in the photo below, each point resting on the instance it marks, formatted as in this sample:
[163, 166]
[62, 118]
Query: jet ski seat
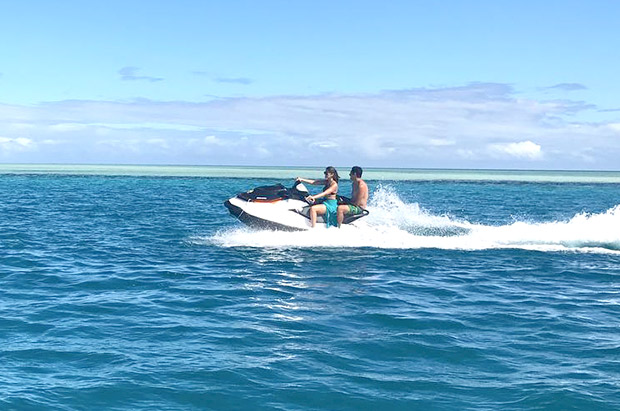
[266, 193]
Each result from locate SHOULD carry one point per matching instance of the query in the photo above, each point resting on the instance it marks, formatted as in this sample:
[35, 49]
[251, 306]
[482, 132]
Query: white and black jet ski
[280, 208]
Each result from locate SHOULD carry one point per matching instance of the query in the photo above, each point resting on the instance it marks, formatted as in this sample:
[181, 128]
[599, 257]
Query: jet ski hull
[256, 222]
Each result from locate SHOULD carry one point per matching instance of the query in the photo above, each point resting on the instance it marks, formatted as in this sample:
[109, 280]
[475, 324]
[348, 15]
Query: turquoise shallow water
[377, 174]
[141, 292]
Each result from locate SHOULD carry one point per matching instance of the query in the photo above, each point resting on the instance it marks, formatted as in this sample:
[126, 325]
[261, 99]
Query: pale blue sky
[479, 84]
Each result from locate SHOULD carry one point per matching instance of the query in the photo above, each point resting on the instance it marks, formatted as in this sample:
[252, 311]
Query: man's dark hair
[357, 170]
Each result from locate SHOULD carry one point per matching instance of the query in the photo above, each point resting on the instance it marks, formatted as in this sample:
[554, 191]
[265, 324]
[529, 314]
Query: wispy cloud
[129, 73]
[224, 79]
[234, 80]
[478, 125]
[567, 87]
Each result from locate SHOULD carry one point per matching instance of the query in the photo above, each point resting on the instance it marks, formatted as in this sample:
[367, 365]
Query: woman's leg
[315, 210]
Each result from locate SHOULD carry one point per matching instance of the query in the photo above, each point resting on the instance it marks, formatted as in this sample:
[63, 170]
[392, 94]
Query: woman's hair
[332, 170]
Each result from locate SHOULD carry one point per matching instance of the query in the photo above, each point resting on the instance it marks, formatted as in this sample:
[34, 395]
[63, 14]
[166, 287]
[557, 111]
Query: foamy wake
[393, 223]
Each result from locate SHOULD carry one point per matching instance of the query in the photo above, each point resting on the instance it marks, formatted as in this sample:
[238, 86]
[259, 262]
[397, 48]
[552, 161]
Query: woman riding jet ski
[280, 208]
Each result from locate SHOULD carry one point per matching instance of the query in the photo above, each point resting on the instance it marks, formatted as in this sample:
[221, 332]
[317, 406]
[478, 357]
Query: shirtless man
[359, 196]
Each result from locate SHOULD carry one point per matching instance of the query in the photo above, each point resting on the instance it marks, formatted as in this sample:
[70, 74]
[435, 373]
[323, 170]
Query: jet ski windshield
[299, 191]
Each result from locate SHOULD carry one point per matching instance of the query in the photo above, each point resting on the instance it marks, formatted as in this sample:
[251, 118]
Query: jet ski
[276, 207]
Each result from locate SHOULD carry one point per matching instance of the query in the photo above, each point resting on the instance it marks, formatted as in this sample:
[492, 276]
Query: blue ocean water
[132, 292]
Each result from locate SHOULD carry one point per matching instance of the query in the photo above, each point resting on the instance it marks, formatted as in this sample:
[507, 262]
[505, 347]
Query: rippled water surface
[128, 293]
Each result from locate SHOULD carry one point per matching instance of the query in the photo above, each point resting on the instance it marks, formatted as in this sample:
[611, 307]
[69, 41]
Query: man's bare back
[359, 193]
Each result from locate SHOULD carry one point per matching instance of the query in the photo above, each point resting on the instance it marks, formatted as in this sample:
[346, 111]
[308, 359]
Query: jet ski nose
[233, 209]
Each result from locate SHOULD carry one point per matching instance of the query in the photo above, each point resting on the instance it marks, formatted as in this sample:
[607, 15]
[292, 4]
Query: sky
[414, 84]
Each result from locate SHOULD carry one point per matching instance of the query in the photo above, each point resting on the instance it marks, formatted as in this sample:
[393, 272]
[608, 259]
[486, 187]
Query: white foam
[393, 223]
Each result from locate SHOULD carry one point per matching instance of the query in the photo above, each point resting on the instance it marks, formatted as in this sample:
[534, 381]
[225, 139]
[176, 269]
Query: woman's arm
[309, 181]
[331, 190]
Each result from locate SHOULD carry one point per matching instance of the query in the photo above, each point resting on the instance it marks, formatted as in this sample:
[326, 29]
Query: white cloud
[440, 142]
[159, 142]
[466, 154]
[53, 142]
[324, 144]
[8, 145]
[263, 152]
[480, 125]
[524, 149]
[213, 140]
